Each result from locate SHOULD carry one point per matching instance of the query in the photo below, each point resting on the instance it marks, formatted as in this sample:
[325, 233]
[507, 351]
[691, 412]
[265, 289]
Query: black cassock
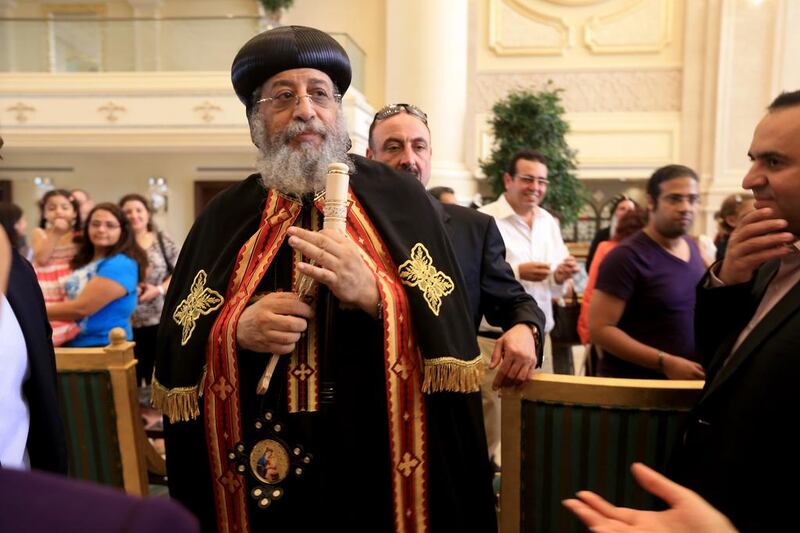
[343, 451]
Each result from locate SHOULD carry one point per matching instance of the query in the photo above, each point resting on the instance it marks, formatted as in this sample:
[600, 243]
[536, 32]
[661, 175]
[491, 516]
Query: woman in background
[55, 242]
[162, 253]
[621, 205]
[733, 208]
[102, 290]
[631, 222]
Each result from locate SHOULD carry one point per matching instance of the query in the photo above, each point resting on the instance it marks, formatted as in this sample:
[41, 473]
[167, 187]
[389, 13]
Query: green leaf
[274, 5]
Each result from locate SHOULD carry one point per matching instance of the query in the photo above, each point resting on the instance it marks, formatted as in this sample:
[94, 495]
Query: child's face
[59, 207]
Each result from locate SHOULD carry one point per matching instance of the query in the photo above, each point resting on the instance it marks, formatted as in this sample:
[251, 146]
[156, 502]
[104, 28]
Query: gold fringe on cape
[448, 374]
[180, 404]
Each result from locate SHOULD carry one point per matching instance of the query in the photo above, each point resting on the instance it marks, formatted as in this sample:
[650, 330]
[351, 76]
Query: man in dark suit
[739, 451]
[24, 314]
[399, 136]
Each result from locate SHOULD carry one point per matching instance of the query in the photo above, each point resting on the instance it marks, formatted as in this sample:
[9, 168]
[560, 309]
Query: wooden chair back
[99, 405]
[562, 434]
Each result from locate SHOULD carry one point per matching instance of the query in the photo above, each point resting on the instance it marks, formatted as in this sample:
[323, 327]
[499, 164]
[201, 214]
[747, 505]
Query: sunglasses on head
[393, 109]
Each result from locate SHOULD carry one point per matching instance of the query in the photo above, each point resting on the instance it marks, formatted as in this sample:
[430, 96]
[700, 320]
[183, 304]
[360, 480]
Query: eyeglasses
[286, 99]
[97, 224]
[393, 109]
[677, 199]
[530, 180]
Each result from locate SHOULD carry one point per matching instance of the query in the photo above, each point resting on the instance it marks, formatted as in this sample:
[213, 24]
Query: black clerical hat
[285, 48]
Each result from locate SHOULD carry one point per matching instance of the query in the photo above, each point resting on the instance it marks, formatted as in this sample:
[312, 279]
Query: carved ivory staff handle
[337, 182]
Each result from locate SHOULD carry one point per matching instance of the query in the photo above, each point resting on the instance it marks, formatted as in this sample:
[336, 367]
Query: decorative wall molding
[517, 29]
[610, 145]
[620, 140]
[21, 111]
[110, 112]
[118, 83]
[207, 110]
[642, 26]
[590, 91]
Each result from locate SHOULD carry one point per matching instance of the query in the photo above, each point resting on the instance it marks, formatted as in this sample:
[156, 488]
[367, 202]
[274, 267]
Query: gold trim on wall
[666, 16]
[495, 18]
[21, 111]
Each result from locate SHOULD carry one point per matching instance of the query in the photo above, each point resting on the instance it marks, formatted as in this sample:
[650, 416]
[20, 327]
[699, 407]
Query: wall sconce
[159, 193]
[43, 185]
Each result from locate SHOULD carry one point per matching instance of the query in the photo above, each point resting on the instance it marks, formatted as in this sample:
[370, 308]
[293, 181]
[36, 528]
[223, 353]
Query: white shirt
[15, 417]
[541, 243]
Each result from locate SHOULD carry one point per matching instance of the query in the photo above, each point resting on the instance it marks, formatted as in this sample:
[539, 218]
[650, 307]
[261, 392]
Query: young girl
[55, 243]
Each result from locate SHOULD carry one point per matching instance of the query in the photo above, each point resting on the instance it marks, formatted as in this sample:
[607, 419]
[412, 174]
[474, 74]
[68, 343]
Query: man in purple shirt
[642, 311]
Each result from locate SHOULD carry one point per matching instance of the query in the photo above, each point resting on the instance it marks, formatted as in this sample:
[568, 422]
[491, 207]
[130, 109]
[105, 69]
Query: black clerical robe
[385, 457]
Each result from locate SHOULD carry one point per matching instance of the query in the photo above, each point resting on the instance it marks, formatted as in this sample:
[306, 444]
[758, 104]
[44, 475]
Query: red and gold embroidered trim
[302, 377]
[405, 402]
[402, 369]
[222, 409]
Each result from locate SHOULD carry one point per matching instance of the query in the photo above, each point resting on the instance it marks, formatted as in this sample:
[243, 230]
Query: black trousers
[145, 352]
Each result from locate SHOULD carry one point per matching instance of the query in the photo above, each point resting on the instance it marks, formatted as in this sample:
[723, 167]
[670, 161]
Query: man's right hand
[565, 270]
[758, 238]
[273, 324]
[534, 271]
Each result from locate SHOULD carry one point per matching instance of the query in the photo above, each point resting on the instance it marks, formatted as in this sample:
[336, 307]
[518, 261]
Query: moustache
[410, 168]
[296, 128]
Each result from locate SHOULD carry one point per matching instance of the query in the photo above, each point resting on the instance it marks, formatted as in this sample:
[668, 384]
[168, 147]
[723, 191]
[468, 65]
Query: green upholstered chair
[562, 434]
[98, 401]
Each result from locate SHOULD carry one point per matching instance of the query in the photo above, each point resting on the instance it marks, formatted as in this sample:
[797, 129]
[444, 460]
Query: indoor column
[146, 34]
[426, 65]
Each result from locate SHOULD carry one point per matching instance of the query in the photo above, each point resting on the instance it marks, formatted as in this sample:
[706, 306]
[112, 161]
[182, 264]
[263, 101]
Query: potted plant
[271, 11]
[534, 119]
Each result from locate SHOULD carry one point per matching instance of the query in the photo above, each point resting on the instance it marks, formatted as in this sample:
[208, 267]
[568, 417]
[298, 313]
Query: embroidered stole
[402, 370]
[302, 376]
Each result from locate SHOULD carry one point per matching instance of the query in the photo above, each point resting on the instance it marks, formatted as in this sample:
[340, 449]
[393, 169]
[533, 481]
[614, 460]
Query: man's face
[527, 187]
[303, 121]
[403, 142]
[672, 213]
[774, 176]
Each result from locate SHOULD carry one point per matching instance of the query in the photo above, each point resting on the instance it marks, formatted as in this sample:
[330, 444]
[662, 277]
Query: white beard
[300, 170]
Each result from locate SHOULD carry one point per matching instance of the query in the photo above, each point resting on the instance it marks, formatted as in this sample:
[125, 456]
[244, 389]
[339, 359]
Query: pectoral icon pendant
[270, 461]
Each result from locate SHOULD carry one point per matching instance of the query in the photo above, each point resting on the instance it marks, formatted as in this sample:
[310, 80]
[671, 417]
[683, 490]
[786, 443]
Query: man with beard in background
[396, 451]
[642, 311]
